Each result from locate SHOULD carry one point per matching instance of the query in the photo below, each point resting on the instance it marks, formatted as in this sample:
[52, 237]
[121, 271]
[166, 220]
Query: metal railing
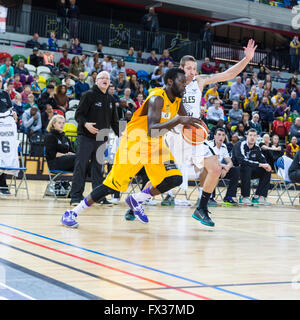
[123, 36]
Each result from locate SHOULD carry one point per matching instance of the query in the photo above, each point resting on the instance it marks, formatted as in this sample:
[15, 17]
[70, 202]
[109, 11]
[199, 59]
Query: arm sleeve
[50, 146]
[83, 109]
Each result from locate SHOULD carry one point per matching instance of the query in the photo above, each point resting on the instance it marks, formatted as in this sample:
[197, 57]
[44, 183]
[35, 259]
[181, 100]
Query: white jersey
[192, 99]
[186, 155]
[8, 143]
[209, 148]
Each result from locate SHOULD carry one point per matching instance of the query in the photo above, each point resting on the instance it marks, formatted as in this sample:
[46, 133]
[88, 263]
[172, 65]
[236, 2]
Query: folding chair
[53, 175]
[220, 188]
[31, 69]
[73, 104]
[133, 187]
[284, 186]
[13, 183]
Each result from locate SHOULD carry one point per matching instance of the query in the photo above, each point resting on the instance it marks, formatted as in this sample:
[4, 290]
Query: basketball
[195, 134]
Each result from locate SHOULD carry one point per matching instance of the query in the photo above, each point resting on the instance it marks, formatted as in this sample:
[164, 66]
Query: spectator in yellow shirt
[277, 99]
[251, 102]
[213, 91]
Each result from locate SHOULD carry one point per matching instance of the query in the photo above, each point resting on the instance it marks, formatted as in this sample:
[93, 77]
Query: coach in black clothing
[253, 165]
[96, 111]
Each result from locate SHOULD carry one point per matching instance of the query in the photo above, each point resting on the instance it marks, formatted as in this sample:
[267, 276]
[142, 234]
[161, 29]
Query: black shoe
[202, 216]
[104, 201]
[129, 215]
[5, 191]
[75, 202]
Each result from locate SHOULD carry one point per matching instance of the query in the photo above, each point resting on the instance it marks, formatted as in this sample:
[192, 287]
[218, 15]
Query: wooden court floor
[251, 253]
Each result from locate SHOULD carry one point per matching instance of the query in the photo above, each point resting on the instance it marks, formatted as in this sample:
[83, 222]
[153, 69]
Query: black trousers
[64, 163]
[86, 152]
[247, 173]
[295, 176]
[3, 183]
[233, 175]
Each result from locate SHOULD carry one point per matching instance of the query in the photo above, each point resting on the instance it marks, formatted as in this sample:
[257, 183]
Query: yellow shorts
[132, 156]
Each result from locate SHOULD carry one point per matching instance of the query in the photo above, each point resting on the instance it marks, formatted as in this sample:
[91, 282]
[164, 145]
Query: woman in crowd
[133, 85]
[75, 68]
[61, 97]
[25, 76]
[59, 152]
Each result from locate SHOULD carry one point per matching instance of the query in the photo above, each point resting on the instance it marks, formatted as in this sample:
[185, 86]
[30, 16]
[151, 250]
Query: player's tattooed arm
[232, 72]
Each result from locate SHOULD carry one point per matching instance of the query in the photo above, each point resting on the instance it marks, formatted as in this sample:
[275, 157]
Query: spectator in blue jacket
[266, 114]
[53, 46]
[81, 86]
[293, 102]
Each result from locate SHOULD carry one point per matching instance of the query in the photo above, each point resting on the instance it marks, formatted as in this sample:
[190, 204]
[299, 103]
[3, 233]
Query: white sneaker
[150, 202]
[114, 200]
[263, 201]
[245, 201]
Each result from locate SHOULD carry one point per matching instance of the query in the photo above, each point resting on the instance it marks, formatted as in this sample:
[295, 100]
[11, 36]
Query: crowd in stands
[251, 100]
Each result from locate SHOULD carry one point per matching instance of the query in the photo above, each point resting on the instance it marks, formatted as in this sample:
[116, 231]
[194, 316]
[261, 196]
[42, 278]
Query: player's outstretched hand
[249, 51]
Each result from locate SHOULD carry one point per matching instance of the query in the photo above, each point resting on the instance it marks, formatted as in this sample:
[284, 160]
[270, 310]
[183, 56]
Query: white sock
[143, 195]
[200, 192]
[81, 206]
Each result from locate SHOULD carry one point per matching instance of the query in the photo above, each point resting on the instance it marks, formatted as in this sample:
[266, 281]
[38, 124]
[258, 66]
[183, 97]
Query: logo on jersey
[189, 99]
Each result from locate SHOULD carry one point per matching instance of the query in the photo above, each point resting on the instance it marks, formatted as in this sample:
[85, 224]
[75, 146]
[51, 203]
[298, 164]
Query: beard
[176, 92]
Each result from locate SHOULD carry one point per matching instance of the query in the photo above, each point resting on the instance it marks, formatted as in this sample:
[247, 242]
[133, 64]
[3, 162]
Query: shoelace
[141, 210]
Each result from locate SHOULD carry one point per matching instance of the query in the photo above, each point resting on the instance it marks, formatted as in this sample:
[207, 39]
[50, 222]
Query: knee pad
[100, 192]
[169, 183]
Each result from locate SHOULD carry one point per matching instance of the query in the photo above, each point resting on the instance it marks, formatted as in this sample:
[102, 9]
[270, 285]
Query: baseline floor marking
[129, 262]
[107, 267]
[81, 271]
[7, 292]
[52, 281]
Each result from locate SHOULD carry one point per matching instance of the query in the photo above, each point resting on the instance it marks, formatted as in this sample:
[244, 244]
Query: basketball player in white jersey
[203, 156]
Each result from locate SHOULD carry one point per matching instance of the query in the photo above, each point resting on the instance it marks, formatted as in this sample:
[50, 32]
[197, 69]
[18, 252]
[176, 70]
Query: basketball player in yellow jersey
[142, 145]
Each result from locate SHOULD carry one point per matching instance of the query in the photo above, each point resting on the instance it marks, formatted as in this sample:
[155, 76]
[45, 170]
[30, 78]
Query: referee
[96, 111]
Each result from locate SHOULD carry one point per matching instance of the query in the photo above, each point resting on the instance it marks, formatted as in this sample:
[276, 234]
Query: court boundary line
[78, 270]
[128, 262]
[229, 285]
[48, 279]
[106, 266]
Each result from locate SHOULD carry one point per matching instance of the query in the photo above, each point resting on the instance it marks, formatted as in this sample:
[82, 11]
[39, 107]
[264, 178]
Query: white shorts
[183, 152]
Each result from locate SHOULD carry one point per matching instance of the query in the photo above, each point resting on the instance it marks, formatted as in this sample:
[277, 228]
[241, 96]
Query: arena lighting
[231, 21]
[11, 3]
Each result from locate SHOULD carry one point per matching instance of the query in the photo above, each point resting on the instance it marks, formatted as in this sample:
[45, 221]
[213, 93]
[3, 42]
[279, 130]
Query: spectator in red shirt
[10, 90]
[64, 62]
[206, 67]
[139, 101]
[17, 83]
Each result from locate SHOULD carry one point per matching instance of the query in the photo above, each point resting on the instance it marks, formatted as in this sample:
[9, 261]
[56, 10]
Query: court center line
[129, 262]
[106, 266]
